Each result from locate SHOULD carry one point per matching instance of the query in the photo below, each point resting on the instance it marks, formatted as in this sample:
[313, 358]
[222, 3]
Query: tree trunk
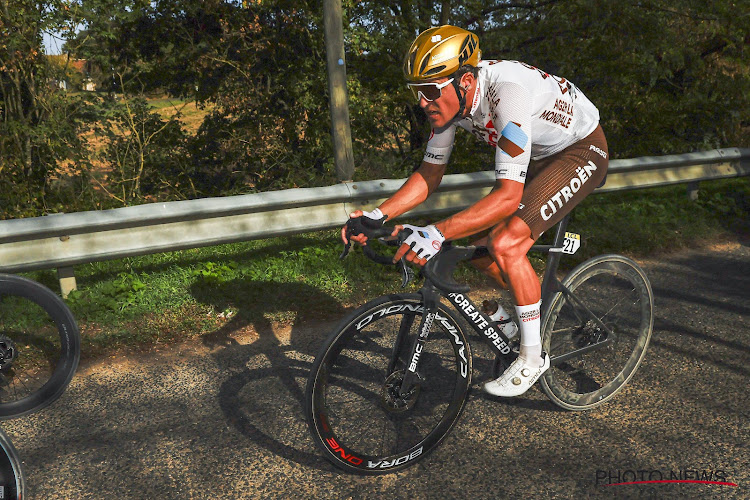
[445, 11]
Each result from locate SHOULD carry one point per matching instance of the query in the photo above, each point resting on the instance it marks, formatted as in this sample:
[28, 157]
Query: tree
[646, 65]
[39, 126]
[144, 153]
[665, 79]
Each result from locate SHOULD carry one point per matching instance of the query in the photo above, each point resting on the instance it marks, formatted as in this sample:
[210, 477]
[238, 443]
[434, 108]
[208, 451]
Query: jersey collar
[477, 96]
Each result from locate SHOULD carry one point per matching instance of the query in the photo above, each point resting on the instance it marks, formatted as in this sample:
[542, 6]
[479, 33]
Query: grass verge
[168, 297]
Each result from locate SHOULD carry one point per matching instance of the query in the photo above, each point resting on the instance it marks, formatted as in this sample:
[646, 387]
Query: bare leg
[508, 244]
[488, 266]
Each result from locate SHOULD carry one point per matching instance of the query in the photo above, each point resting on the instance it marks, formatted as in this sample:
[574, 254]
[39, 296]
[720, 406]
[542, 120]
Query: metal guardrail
[65, 240]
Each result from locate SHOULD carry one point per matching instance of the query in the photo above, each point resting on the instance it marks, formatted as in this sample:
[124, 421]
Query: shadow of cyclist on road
[265, 351]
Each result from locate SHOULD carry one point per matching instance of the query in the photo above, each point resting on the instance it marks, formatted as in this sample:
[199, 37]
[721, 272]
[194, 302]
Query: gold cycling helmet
[439, 52]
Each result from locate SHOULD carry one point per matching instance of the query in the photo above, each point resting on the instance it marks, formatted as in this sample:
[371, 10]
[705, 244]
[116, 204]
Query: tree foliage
[41, 149]
[667, 78]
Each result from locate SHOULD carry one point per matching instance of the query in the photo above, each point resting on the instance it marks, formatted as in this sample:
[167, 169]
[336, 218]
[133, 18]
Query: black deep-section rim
[621, 267]
[11, 474]
[70, 345]
[317, 415]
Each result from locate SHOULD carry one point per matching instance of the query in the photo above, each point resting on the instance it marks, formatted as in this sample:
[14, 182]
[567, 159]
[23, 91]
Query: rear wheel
[354, 408]
[597, 334]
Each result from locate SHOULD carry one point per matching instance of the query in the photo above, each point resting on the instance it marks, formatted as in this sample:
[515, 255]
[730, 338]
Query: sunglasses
[430, 91]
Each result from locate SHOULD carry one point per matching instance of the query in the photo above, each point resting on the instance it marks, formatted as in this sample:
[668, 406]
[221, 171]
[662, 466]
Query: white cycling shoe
[517, 379]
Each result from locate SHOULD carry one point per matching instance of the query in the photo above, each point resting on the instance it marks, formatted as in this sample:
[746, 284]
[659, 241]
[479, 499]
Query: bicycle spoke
[615, 305]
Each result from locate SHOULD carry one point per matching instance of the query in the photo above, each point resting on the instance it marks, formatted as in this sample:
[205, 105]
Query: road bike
[391, 381]
[40, 347]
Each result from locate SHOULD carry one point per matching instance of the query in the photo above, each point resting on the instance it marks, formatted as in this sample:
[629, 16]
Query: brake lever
[407, 273]
[348, 244]
[347, 247]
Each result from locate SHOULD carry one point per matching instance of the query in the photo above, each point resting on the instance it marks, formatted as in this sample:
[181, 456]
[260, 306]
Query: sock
[531, 341]
[509, 329]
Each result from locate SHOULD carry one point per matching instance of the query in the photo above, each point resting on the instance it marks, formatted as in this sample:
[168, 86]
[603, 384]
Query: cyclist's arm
[512, 155]
[425, 180]
[499, 204]
[414, 191]
[421, 184]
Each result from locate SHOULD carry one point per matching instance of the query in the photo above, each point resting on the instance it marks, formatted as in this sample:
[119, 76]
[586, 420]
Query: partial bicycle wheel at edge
[39, 346]
[12, 483]
[603, 352]
[352, 405]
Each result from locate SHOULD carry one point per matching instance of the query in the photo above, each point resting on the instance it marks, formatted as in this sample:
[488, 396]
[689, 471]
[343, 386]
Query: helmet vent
[436, 69]
[424, 64]
[463, 45]
[467, 49]
[412, 58]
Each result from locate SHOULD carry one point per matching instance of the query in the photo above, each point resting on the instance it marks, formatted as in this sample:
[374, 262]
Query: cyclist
[550, 153]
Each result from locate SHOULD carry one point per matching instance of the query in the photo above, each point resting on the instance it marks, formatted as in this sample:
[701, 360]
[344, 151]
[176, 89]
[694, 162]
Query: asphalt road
[221, 417]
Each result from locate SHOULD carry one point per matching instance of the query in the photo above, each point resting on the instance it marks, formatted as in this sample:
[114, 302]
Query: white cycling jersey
[524, 113]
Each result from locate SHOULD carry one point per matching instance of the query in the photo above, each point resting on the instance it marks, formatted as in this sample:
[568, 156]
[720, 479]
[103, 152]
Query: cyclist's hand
[421, 245]
[377, 218]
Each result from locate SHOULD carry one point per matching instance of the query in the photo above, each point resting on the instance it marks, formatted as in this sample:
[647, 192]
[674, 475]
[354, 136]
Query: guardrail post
[692, 190]
[67, 278]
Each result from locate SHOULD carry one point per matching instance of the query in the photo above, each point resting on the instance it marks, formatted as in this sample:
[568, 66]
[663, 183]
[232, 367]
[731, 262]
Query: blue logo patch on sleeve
[513, 140]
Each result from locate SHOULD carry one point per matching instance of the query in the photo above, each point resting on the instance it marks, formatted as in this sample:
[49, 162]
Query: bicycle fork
[411, 375]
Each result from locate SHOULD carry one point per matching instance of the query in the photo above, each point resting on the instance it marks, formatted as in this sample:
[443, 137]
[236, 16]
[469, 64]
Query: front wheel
[596, 331]
[353, 403]
[39, 346]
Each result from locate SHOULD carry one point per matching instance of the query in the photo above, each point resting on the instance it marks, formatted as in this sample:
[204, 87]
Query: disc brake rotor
[390, 397]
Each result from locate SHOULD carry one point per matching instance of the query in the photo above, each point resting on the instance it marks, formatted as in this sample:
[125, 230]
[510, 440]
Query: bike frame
[479, 321]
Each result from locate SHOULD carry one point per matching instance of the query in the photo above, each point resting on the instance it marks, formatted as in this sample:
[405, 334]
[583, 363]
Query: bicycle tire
[40, 346]
[618, 292]
[349, 407]
[12, 482]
